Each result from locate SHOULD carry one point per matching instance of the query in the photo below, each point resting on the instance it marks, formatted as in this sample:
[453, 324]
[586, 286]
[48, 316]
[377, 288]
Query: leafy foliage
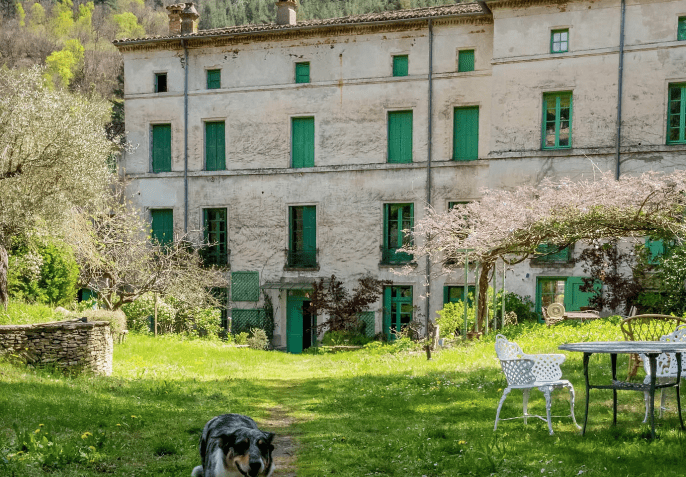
[258, 339]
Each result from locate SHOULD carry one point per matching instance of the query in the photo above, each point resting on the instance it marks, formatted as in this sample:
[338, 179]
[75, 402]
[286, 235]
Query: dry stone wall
[75, 346]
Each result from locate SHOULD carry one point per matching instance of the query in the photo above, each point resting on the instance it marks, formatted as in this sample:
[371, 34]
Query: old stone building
[301, 148]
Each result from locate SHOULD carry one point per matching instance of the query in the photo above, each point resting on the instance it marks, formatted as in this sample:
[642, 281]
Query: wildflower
[86, 435]
[91, 448]
[133, 416]
[462, 442]
[36, 431]
[119, 425]
[41, 425]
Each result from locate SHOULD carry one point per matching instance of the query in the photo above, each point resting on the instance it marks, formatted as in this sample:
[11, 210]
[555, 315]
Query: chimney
[175, 18]
[189, 19]
[285, 12]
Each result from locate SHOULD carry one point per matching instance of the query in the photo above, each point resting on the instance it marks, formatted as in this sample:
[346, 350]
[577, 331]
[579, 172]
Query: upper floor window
[215, 154]
[466, 133]
[681, 29]
[161, 147]
[465, 61]
[302, 236]
[215, 236]
[302, 142]
[676, 114]
[559, 41]
[160, 82]
[400, 137]
[557, 120]
[551, 253]
[397, 219]
[214, 79]
[400, 65]
[302, 72]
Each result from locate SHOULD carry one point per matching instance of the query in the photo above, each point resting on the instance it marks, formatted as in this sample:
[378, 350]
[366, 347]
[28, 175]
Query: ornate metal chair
[647, 328]
[528, 371]
[665, 367]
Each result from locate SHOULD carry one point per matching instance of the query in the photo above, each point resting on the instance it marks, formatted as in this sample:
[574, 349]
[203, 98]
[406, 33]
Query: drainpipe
[619, 88]
[185, 137]
[428, 169]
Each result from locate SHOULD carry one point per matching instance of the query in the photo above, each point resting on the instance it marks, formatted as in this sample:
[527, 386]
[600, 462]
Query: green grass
[20, 313]
[353, 413]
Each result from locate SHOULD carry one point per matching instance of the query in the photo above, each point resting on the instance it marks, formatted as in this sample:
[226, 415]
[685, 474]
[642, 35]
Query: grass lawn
[350, 414]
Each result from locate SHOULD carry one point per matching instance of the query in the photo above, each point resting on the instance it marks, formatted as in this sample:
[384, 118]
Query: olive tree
[511, 224]
[53, 156]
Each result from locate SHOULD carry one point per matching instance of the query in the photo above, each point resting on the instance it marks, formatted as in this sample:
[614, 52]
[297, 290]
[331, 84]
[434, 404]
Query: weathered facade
[302, 147]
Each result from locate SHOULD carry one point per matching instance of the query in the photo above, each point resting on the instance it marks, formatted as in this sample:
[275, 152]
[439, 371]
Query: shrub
[116, 318]
[241, 338]
[523, 306]
[339, 338]
[451, 318]
[258, 339]
[139, 312]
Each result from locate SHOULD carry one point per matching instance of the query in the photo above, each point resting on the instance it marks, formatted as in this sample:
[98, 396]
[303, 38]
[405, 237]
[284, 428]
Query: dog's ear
[269, 437]
[226, 442]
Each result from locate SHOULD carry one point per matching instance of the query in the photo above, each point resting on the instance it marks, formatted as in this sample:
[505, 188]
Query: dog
[231, 445]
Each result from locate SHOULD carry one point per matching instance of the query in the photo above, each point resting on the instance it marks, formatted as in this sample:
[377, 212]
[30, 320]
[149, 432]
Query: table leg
[652, 357]
[613, 360]
[678, 388]
[588, 390]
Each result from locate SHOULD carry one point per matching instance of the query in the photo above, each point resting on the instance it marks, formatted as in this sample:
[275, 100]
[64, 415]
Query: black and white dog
[231, 445]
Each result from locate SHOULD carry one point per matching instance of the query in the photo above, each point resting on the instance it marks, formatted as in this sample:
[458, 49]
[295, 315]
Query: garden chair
[665, 367]
[528, 371]
[647, 328]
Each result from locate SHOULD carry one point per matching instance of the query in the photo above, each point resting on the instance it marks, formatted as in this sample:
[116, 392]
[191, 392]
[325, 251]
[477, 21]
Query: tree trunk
[486, 268]
[4, 265]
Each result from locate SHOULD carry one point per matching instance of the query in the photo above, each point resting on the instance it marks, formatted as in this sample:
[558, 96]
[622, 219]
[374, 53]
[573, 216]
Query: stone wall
[75, 346]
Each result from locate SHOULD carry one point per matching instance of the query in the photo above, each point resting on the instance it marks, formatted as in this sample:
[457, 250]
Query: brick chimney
[175, 18]
[189, 19]
[286, 12]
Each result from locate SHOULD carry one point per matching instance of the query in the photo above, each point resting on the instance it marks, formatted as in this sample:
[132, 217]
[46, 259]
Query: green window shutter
[367, 317]
[559, 41]
[466, 134]
[215, 152]
[162, 225]
[465, 61]
[387, 311]
[681, 30]
[242, 321]
[575, 299]
[302, 142]
[302, 72]
[215, 233]
[400, 137]
[214, 79]
[245, 286]
[553, 253]
[656, 248]
[161, 147]
[676, 114]
[557, 121]
[400, 65]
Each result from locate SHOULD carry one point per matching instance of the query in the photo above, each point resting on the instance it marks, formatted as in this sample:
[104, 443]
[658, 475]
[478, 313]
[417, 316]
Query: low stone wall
[75, 345]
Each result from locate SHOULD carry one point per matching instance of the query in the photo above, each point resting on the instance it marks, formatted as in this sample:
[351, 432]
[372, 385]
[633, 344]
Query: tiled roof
[397, 15]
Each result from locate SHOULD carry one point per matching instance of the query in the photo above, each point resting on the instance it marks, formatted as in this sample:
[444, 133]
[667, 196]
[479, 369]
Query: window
[551, 253]
[245, 286]
[214, 79]
[302, 237]
[656, 249]
[397, 308]
[400, 137]
[557, 120]
[400, 65]
[453, 294]
[681, 29]
[465, 61]
[160, 82]
[397, 217]
[302, 142]
[161, 147]
[162, 224]
[466, 134]
[214, 231]
[564, 290]
[215, 154]
[676, 114]
[559, 41]
[302, 72]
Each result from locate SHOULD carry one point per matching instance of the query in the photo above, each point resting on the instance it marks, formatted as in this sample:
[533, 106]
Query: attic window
[559, 41]
[160, 82]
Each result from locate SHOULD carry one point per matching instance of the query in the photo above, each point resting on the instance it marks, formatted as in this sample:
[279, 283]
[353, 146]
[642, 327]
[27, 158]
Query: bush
[43, 270]
[451, 318]
[116, 318]
[241, 338]
[258, 339]
[522, 306]
[340, 338]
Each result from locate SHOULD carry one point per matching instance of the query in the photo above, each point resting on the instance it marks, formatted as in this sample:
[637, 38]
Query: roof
[458, 9]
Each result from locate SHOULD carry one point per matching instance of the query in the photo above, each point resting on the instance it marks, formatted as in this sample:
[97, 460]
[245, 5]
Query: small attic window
[160, 82]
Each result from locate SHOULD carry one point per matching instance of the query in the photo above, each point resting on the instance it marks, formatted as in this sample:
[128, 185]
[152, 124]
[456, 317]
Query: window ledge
[542, 264]
[386, 265]
[295, 268]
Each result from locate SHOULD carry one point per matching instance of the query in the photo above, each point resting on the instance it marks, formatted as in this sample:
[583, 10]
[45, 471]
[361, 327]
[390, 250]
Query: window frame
[158, 75]
[167, 159]
[220, 158]
[475, 153]
[303, 161]
[681, 28]
[401, 65]
[300, 76]
[553, 42]
[465, 64]
[218, 254]
[682, 113]
[557, 95]
[153, 236]
[297, 256]
[211, 81]
[389, 251]
[389, 300]
[405, 154]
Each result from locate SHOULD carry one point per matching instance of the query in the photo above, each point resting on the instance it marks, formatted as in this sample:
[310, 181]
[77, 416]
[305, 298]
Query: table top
[613, 347]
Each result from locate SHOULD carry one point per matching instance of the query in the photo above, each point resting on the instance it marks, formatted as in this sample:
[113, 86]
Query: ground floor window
[453, 294]
[397, 309]
[564, 290]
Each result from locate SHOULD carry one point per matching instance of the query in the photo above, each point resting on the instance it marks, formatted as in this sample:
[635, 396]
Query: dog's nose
[255, 468]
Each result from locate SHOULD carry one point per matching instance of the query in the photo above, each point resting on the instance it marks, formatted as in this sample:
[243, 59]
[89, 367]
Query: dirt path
[285, 449]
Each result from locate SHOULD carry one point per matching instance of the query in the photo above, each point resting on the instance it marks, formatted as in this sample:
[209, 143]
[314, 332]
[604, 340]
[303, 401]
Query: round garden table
[652, 349]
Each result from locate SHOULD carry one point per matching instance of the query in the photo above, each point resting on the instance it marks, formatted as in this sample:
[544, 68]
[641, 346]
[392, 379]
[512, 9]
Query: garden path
[285, 448]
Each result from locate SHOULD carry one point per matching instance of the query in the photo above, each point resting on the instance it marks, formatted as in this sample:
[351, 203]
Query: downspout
[185, 137]
[428, 169]
[619, 88]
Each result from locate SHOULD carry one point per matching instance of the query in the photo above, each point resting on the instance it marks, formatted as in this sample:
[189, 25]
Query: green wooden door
[302, 142]
[294, 324]
[466, 134]
[397, 309]
[400, 137]
[161, 147]
[215, 155]
[575, 299]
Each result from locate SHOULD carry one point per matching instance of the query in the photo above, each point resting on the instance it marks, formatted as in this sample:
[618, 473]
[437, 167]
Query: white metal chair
[528, 371]
[665, 368]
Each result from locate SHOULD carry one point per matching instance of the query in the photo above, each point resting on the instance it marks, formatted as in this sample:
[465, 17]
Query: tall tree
[53, 155]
